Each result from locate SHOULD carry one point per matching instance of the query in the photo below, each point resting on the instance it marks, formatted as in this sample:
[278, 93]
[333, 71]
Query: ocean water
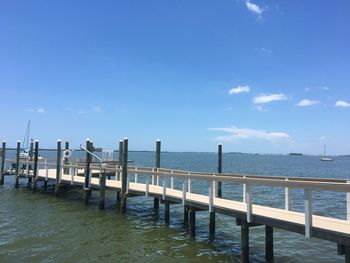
[38, 227]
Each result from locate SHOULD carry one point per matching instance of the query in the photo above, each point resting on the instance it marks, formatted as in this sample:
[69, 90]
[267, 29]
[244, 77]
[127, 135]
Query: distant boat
[325, 157]
[25, 151]
[299, 154]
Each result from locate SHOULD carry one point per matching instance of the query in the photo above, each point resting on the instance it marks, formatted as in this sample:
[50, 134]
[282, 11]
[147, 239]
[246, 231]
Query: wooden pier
[168, 186]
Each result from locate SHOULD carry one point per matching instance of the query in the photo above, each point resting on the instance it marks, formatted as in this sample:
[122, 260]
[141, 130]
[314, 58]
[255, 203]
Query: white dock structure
[168, 186]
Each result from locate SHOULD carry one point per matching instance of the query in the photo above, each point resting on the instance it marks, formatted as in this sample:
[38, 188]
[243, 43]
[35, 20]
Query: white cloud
[341, 103]
[307, 89]
[39, 110]
[236, 134]
[306, 102]
[97, 109]
[254, 8]
[260, 108]
[266, 98]
[263, 51]
[325, 88]
[239, 89]
[322, 138]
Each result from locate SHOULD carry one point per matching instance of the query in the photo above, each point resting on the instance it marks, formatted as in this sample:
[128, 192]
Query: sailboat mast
[26, 136]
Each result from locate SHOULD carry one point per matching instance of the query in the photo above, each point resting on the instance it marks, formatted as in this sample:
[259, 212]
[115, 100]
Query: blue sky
[258, 76]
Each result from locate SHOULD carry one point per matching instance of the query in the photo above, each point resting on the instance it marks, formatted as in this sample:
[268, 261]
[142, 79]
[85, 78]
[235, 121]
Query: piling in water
[35, 169]
[18, 151]
[124, 177]
[3, 157]
[58, 167]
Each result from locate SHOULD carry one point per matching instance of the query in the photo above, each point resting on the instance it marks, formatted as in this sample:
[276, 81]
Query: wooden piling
[219, 188]
[124, 177]
[66, 160]
[347, 254]
[35, 168]
[87, 191]
[185, 215]
[192, 222]
[244, 241]
[166, 212]
[102, 189]
[58, 167]
[31, 160]
[156, 200]
[212, 225]
[269, 243]
[2, 169]
[17, 163]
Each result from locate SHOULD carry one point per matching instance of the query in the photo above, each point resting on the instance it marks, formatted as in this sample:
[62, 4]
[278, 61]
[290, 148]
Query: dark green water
[38, 227]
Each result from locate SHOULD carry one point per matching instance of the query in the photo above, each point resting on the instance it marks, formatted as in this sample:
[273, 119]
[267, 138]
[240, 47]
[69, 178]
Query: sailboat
[25, 150]
[325, 157]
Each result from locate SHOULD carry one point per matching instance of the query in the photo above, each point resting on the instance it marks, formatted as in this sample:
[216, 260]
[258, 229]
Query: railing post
[244, 191]
[189, 184]
[183, 192]
[46, 174]
[71, 172]
[172, 180]
[3, 157]
[287, 198]
[219, 188]
[17, 163]
[147, 186]
[308, 213]
[348, 203]
[120, 157]
[124, 176]
[88, 159]
[156, 178]
[35, 168]
[211, 212]
[58, 167]
[165, 179]
[249, 200]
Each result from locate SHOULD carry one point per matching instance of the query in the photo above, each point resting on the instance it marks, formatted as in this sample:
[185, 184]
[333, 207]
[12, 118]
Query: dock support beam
[166, 212]
[3, 157]
[17, 164]
[219, 188]
[192, 222]
[269, 243]
[87, 191]
[58, 167]
[244, 242]
[35, 168]
[156, 179]
[212, 225]
[124, 176]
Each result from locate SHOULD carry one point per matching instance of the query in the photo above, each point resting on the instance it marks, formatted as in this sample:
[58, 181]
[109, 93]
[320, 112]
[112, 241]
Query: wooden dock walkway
[159, 183]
